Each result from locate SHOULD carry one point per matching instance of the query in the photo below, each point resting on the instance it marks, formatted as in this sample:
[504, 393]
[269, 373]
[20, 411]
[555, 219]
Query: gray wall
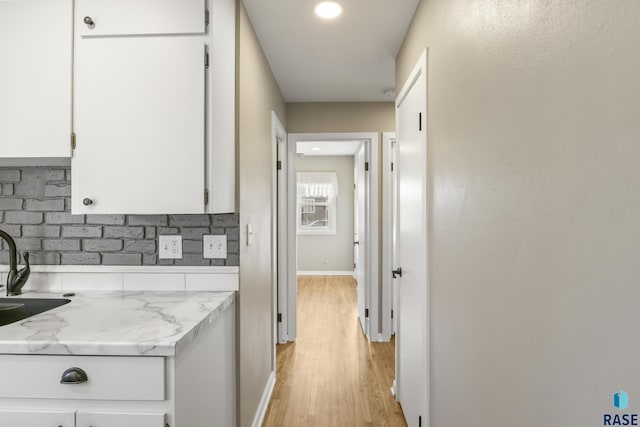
[534, 154]
[35, 210]
[330, 252]
[258, 95]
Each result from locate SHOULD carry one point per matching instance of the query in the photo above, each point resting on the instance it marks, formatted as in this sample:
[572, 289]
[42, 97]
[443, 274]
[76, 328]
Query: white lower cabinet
[194, 388]
[118, 419]
[37, 418]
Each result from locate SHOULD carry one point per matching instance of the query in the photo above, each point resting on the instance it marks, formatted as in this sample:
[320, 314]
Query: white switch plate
[215, 246]
[170, 247]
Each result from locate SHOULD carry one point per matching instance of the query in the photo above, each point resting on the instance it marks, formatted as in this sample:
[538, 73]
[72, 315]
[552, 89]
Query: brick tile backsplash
[34, 209]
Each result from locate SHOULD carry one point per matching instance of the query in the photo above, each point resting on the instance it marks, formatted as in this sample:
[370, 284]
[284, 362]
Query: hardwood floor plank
[332, 375]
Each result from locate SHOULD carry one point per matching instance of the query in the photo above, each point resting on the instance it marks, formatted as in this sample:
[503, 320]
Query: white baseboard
[264, 402]
[325, 273]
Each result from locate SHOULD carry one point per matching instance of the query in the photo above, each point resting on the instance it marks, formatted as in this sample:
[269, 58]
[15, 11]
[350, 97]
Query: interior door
[139, 108]
[359, 235]
[411, 246]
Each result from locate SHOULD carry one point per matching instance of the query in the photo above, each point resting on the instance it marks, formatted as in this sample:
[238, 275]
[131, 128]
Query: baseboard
[264, 402]
[325, 273]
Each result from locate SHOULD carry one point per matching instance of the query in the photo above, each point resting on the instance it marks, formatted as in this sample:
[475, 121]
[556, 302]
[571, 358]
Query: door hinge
[420, 421]
[391, 166]
[420, 121]
[206, 17]
[206, 59]
[279, 317]
[206, 196]
[73, 140]
[354, 265]
[392, 314]
[279, 164]
[366, 166]
[366, 312]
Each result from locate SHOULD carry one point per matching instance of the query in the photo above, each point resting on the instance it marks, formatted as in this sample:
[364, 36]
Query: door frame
[388, 223]
[279, 224]
[287, 294]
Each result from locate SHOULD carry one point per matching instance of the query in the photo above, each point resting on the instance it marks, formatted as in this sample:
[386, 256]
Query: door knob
[87, 20]
[87, 201]
[396, 273]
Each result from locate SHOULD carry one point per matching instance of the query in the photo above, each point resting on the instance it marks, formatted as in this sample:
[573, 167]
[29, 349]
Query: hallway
[332, 375]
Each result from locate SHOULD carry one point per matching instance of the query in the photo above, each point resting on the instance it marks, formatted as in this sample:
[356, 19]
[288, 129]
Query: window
[316, 212]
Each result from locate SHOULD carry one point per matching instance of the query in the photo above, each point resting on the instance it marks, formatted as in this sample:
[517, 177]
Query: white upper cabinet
[140, 17]
[139, 107]
[35, 78]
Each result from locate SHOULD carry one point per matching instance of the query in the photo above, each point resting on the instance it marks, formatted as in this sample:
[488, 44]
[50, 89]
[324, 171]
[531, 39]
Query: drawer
[139, 17]
[108, 378]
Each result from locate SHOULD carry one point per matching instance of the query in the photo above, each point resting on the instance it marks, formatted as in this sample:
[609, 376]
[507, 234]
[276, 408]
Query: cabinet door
[37, 418]
[118, 419]
[35, 78]
[140, 125]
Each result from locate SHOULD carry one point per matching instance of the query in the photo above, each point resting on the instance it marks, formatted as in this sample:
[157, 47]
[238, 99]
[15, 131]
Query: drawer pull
[74, 376]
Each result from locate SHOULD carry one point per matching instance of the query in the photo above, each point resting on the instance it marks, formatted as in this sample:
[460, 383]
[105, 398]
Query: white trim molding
[264, 402]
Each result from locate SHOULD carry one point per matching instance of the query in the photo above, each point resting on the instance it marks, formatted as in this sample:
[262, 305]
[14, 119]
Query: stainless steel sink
[14, 309]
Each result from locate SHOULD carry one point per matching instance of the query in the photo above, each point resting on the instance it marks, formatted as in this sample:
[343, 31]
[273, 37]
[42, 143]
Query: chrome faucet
[16, 279]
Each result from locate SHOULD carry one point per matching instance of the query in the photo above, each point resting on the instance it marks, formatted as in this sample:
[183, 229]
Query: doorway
[369, 291]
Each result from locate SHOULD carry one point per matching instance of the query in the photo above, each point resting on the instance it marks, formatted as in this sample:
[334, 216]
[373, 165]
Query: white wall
[330, 252]
[534, 158]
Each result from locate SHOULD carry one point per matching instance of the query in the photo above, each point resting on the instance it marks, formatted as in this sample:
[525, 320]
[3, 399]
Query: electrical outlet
[170, 247]
[215, 246]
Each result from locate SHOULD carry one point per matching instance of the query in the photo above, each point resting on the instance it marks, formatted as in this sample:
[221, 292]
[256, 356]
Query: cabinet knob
[87, 20]
[87, 201]
[74, 376]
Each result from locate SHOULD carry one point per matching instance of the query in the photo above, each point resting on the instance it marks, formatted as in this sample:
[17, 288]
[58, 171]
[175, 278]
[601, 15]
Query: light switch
[170, 247]
[215, 246]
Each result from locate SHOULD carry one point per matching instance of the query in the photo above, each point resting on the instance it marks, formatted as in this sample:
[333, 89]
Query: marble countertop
[149, 323]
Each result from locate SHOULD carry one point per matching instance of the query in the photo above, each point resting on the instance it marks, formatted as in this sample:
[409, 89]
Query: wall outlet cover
[214, 246]
[170, 247]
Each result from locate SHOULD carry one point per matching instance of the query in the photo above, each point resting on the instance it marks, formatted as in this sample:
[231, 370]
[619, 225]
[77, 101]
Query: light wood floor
[332, 375]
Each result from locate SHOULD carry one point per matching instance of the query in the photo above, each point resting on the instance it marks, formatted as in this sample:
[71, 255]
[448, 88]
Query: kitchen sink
[14, 309]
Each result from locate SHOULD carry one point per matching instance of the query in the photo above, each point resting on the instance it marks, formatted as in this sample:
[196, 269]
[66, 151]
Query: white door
[115, 419]
[139, 108]
[37, 418]
[411, 245]
[394, 232]
[35, 78]
[360, 235]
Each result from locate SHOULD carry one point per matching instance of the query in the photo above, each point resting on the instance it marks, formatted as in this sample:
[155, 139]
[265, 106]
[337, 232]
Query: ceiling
[350, 58]
[328, 148]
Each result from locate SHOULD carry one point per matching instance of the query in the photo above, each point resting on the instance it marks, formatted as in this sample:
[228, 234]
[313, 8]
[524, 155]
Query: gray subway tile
[21, 217]
[81, 258]
[9, 175]
[10, 204]
[105, 219]
[61, 244]
[142, 246]
[101, 245]
[189, 220]
[57, 190]
[81, 231]
[41, 231]
[124, 232]
[122, 259]
[157, 220]
[63, 218]
[50, 205]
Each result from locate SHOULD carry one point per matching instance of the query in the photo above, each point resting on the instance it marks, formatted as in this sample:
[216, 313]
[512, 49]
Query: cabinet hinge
[279, 317]
[206, 59]
[206, 17]
[420, 122]
[73, 140]
[279, 164]
[206, 196]
[366, 312]
[366, 166]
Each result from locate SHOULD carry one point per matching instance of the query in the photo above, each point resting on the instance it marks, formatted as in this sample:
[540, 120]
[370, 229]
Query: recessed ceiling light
[328, 9]
[315, 149]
